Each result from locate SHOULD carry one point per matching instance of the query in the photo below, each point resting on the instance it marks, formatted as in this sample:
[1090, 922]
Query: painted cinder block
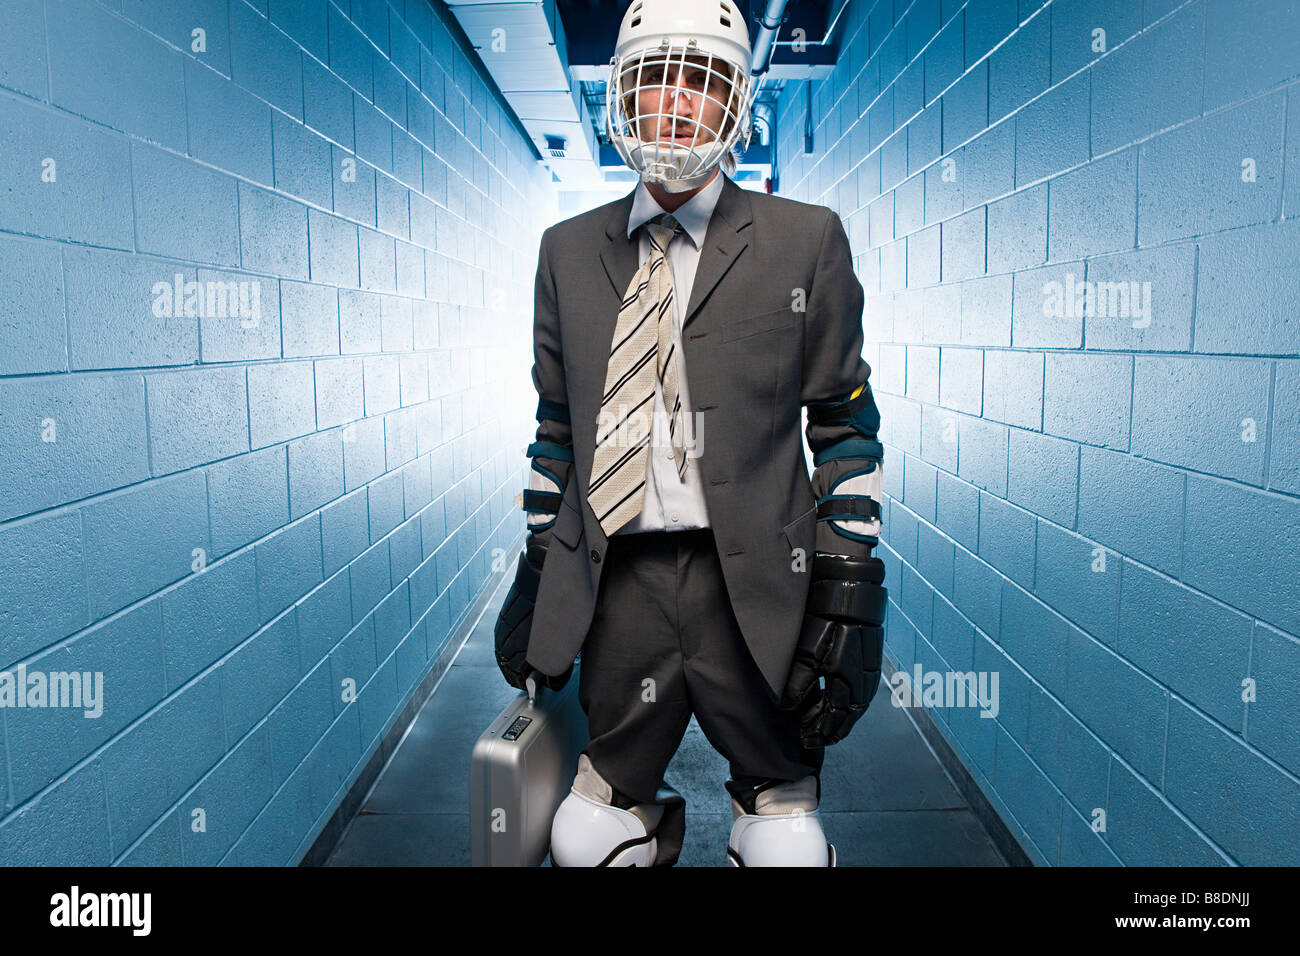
[961, 379]
[1046, 309]
[229, 127]
[1255, 47]
[89, 199]
[1096, 677]
[157, 760]
[986, 311]
[338, 391]
[288, 565]
[257, 675]
[1245, 280]
[1228, 437]
[23, 50]
[353, 661]
[240, 317]
[1052, 131]
[324, 617]
[182, 208]
[1198, 648]
[1144, 828]
[315, 471]
[374, 135]
[1284, 454]
[1013, 387]
[345, 530]
[1043, 475]
[964, 246]
[1075, 40]
[957, 510]
[327, 103]
[206, 616]
[923, 374]
[248, 498]
[272, 233]
[982, 454]
[1078, 578]
[934, 558]
[264, 61]
[33, 337]
[351, 57]
[112, 72]
[1077, 226]
[1086, 397]
[965, 107]
[1270, 719]
[44, 584]
[38, 834]
[1133, 506]
[1007, 536]
[378, 261]
[1143, 300]
[385, 496]
[281, 401]
[52, 427]
[354, 187]
[305, 23]
[112, 322]
[1030, 796]
[392, 621]
[1220, 172]
[299, 720]
[370, 580]
[1256, 540]
[334, 250]
[363, 452]
[1244, 804]
[231, 796]
[1017, 231]
[309, 319]
[196, 416]
[1171, 91]
[977, 592]
[1021, 68]
[919, 487]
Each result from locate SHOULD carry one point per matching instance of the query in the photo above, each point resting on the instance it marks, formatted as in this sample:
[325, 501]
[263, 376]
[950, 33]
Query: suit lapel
[723, 243]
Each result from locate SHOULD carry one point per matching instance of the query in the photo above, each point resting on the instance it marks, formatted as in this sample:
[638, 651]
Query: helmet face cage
[669, 74]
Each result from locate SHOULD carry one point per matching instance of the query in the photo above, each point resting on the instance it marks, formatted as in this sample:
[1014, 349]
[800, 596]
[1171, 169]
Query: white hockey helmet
[690, 60]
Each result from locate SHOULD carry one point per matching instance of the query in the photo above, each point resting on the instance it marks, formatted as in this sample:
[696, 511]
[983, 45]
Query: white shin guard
[785, 830]
[588, 830]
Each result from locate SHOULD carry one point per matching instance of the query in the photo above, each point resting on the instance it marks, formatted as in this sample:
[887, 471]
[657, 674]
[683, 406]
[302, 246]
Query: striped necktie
[642, 348]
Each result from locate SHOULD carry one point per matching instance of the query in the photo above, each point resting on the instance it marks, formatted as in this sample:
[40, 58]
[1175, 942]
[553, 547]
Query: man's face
[681, 103]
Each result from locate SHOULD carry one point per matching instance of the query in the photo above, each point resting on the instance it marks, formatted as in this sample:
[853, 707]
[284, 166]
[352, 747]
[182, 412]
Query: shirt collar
[693, 215]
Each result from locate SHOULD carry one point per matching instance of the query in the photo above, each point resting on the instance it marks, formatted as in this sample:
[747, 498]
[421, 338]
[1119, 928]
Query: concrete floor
[886, 801]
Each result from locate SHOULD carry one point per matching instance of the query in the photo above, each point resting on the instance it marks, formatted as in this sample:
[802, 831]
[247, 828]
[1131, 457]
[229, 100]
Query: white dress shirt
[672, 504]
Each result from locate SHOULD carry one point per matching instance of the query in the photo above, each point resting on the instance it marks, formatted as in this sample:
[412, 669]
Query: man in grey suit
[676, 538]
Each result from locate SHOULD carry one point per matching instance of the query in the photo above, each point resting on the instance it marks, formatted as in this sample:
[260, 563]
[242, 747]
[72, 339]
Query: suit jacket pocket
[801, 533]
[568, 525]
[745, 326]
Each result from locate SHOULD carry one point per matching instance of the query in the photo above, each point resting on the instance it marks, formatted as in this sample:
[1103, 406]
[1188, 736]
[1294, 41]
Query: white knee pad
[784, 832]
[589, 831]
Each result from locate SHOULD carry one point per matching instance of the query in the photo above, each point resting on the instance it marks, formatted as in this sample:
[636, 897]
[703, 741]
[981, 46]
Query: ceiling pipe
[765, 41]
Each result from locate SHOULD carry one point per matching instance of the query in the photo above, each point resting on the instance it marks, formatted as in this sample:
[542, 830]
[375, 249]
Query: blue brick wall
[234, 516]
[1102, 505]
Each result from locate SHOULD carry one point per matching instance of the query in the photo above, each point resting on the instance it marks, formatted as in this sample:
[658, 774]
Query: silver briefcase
[521, 769]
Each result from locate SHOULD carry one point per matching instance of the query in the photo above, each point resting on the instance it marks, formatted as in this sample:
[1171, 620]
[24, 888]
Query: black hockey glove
[516, 621]
[841, 642]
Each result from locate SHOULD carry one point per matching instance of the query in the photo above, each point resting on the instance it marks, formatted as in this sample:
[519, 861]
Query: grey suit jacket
[757, 349]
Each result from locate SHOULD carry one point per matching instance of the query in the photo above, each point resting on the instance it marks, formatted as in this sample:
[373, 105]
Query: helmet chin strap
[683, 185]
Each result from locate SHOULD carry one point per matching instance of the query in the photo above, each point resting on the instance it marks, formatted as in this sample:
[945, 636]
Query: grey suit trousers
[663, 644]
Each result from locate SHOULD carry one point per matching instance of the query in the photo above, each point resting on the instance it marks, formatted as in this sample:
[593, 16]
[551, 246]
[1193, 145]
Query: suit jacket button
[595, 555]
